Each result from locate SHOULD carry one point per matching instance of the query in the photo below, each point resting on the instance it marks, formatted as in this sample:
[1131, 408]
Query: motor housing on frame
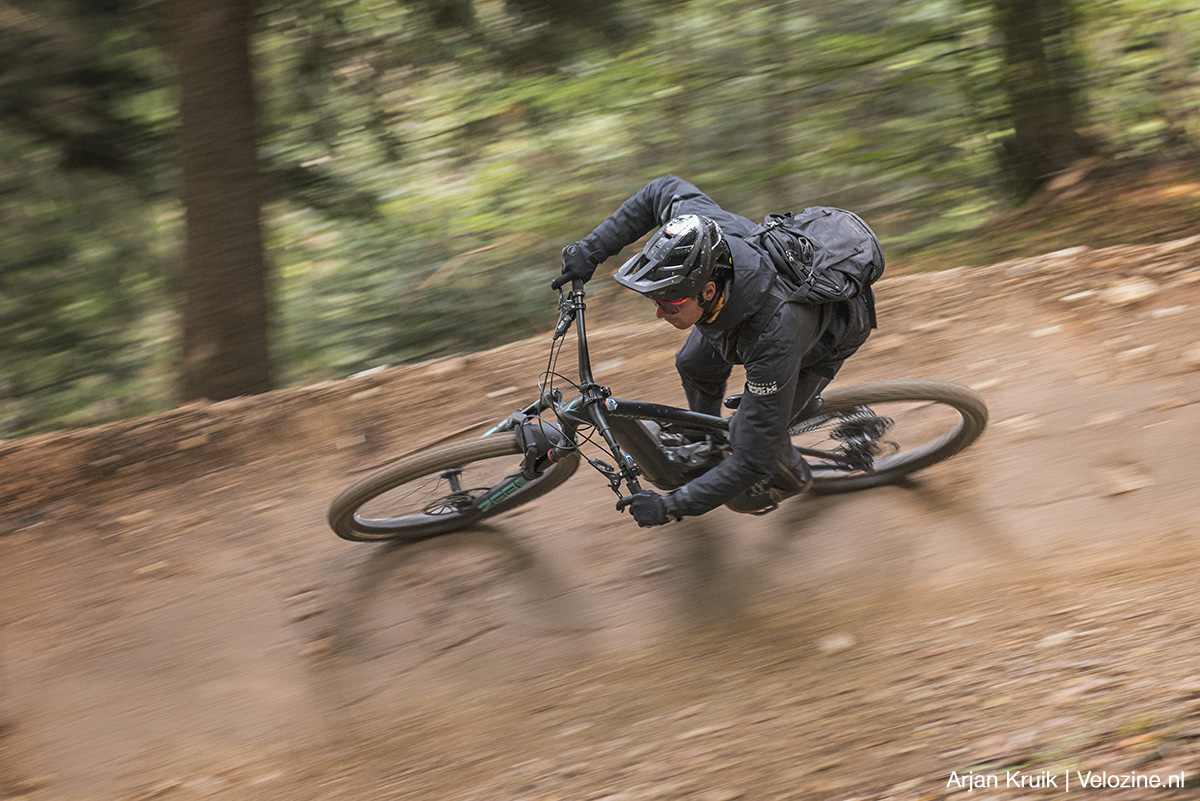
[538, 439]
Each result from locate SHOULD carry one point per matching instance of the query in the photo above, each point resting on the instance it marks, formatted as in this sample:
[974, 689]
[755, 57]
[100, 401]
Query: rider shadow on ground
[498, 550]
[709, 589]
[410, 604]
[476, 606]
[937, 515]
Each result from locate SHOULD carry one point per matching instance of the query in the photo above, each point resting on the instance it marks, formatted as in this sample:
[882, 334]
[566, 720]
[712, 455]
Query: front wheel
[886, 430]
[441, 490]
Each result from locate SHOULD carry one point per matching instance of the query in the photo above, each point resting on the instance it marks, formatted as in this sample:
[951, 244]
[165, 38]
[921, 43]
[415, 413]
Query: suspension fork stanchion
[624, 461]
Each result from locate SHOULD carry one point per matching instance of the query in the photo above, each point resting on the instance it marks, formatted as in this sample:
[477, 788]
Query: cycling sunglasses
[669, 306]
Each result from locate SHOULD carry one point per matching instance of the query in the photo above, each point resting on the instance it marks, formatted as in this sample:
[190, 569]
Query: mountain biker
[703, 274]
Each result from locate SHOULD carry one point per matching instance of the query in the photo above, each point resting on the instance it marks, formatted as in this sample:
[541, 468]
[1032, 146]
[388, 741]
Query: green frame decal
[501, 492]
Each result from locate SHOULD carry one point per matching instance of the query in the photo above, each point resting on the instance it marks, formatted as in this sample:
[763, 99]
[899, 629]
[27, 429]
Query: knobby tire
[424, 463]
[973, 419]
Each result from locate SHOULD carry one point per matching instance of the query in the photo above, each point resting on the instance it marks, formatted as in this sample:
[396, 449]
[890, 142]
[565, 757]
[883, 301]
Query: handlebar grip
[576, 283]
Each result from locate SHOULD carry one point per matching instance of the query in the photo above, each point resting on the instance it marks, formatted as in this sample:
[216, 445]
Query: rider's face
[686, 315]
[689, 312]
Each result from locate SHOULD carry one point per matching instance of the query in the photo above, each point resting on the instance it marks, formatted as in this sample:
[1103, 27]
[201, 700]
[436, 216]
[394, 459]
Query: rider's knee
[686, 365]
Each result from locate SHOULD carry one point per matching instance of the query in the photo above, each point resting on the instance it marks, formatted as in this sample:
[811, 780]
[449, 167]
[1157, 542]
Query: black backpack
[826, 255]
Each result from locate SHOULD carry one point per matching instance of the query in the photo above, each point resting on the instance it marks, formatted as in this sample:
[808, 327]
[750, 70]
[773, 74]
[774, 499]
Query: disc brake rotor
[454, 502]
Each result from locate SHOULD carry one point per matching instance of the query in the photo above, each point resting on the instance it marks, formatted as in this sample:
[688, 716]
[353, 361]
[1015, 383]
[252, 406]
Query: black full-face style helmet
[677, 261]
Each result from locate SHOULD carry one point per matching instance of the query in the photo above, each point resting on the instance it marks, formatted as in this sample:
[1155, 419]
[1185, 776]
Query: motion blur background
[382, 181]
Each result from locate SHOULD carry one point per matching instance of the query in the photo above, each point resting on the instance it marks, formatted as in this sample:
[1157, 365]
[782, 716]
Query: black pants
[704, 372]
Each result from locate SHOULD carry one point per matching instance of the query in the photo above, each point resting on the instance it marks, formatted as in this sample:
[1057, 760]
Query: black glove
[576, 263]
[648, 508]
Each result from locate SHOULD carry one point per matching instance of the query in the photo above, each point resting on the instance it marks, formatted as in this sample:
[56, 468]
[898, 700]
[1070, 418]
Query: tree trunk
[1039, 82]
[225, 351]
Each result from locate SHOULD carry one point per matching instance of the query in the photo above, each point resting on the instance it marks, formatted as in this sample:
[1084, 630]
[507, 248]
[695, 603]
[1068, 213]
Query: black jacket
[758, 326]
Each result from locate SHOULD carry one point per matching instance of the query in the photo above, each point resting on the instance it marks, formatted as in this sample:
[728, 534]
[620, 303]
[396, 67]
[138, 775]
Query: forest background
[205, 198]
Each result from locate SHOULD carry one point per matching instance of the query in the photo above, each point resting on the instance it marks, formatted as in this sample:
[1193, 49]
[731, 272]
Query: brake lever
[564, 322]
[570, 307]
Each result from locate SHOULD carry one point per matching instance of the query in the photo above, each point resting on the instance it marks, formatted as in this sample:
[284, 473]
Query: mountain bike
[856, 438]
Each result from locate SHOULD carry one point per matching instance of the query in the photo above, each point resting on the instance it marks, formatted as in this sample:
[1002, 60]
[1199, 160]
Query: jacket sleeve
[656, 203]
[759, 428]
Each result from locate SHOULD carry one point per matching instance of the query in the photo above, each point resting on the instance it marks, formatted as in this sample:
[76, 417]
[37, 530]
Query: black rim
[863, 441]
[434, 498]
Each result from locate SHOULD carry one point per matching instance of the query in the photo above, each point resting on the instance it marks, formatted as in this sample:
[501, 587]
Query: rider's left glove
[576, 263]
[648, 508]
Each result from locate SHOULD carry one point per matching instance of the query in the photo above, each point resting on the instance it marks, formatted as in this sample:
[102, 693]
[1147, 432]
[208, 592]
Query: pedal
[759, 511]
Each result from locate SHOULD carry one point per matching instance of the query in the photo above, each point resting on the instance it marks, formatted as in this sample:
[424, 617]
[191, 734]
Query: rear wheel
[441, 490]
[886, 430]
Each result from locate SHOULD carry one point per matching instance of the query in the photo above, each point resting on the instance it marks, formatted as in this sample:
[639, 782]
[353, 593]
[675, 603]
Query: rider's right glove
[648, 508]
[576, 263]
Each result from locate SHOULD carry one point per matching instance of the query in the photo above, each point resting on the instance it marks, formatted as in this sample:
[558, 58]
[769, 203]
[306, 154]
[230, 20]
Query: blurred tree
[1040, 83]
[84, 239]
[546, 35]
[423, 161]
[67, 85]
[225, 349]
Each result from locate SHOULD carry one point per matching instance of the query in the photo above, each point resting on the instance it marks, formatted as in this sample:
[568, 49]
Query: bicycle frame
[619, 421]
[648, 440]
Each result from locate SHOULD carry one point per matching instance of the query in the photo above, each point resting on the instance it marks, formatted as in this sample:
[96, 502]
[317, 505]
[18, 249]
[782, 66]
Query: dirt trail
[178, 622]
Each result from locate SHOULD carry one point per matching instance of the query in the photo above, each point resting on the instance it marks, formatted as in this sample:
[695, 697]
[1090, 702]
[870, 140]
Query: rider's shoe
[787, 481]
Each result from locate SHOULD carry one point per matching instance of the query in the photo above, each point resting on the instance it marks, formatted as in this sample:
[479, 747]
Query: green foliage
[425, 160]
[85, 231]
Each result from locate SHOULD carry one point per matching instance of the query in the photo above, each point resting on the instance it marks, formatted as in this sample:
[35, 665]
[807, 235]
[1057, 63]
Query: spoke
[432, 481]
[444, 492]
[846, 440]
[455, 502]
[858, 441]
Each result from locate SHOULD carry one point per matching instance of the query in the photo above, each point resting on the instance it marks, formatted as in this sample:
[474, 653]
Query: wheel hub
[454, 502]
